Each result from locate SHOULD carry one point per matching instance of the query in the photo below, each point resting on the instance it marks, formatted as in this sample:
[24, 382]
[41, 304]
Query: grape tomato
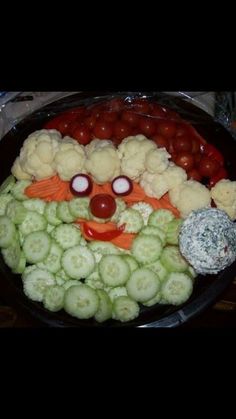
[102, 206]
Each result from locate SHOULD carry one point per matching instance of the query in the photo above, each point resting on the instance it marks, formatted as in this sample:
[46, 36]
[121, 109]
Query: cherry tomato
[195, 145]
[221, 174]
[185, 160]
[147, 126]
[161, 141]
[182, 143]
[208, 166]
[72, 126]
[63, 126]
[130, 117]
[167, 128]
[81, 134]
[171, 146]
[181, 129]
[197, 158]
[92, 234]
[90, 121]
[141, 106]
[121, 130]
[158, 111]
[116, 104]
[210, 151]
[194, 174]
[109, 116]
[103, 129]
[102, 206]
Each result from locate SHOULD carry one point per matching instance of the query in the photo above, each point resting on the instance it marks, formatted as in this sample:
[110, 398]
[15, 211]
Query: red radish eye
[122, 186]
[81, 185]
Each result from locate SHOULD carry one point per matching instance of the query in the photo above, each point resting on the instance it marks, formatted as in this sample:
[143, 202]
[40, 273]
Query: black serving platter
[206, 289]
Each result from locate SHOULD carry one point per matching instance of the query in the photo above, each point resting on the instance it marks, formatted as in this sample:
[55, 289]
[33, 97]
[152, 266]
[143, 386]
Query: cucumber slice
[4, 200]
[160, 218]
[79, 208]
[133, 264]
[159, 269]
[155, 300]
[52, 263]
[94, 281]
[146, 249]
[177, 288]
[7, 185]
[154, 231]
[35, 204]
[16, 211]
[104, 311]
[143, 285]
[125, 309]
[36, 246]
[114, 270]
[78, 262]
[61, 277]
[12, 255]
[191, 272]
[172, 259]
[63, 212]
[172, 232]
[8, 232]
[50, 213]
[36, 282]
[132, 219]
[50, 228]
[70, 283]
[53, 299]
[67, 235]
[18, 189]
[104, 248]
[33, 222]
[120, 207]
[27, 270]
[144, 209]
[21, 265]
[81, 301]
[116, 292]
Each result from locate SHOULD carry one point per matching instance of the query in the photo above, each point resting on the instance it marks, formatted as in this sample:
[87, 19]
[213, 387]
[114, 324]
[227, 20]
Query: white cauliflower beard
[157, 161]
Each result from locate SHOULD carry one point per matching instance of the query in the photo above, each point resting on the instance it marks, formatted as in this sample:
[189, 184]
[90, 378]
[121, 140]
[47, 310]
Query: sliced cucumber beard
[79, 208]
[35, 204]
[12, 255]
[78, 262]
[143, 285]
[52, 263]
[81, 301]
[36, 246]
[67, 235]
[7, 185]
[32, 222]
[8, 232]
[177, 288]
[104, 311]
[172, 259]
[146, 249]
[36, 282]
[16, 211]
[125, 309]
[53, 299]
[160, 218]
[19, 188]
[51, 213]
[63, 212]
[114, 270]
[132, 219]
[172, 232]
[4, 199]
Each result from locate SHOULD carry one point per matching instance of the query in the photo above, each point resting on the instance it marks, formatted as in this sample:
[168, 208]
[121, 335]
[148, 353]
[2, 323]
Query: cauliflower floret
[103, 164]
[156, 161]
[69, 159]
[224, 192]
[144, 209]
[154, 185]
[189, 196]
[37, 154]
[18, 172]
[224, 196]
[95, 144]
[174, 175]
[132, 152]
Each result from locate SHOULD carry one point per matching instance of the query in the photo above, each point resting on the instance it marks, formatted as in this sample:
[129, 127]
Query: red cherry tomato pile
[118, 118]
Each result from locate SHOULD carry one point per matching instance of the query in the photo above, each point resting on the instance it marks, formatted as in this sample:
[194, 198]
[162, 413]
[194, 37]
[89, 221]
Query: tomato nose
[103, 206]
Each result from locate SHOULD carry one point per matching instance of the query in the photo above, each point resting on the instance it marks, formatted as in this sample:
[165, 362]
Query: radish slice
[122, 186]
[81, 185]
